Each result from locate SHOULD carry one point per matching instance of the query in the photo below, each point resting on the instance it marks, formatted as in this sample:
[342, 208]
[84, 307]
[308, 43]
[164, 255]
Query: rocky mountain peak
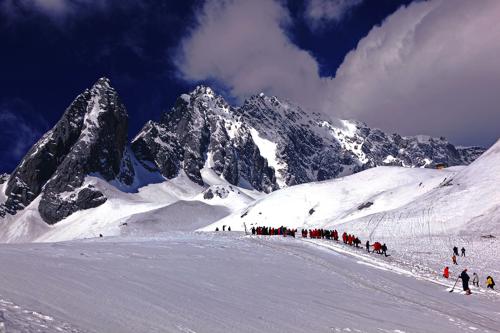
[89, 139]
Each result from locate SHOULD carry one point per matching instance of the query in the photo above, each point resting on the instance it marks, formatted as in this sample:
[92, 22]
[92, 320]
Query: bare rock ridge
[265, 144]
[272, 143]
[203, 130]
[90, 138]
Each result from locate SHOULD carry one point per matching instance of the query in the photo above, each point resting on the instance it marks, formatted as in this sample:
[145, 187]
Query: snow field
[219, 282]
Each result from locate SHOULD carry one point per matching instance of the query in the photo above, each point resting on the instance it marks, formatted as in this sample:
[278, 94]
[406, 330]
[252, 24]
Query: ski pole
[454, 285]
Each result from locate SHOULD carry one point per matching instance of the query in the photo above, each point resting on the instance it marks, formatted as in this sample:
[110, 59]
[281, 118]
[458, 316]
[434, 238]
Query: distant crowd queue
[321, 234]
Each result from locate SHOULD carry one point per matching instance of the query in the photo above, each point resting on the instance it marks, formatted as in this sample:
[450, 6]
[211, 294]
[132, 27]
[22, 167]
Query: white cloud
[56, 10]
[320, 12]
[243, 45]
[432, 67]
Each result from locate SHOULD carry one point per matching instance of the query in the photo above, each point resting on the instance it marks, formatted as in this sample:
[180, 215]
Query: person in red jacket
[344, 237]
[446, 272]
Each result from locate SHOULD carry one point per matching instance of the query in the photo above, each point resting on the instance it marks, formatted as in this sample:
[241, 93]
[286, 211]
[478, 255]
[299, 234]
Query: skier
[465, 281]
[446, 272]
[455, 250]
[454, 258]
[463, 251]
[490, 283]
[384, 249]
[475, 280]
[368, 246]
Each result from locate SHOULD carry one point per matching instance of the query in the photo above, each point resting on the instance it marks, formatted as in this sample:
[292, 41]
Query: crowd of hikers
[270, 231]
[348, 239]
[378, 248]
[464, 276]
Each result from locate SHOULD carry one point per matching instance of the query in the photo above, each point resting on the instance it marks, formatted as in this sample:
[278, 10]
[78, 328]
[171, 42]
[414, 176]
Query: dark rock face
[98, 151]
[3, 178]
[470, 154]
[195, 134]
[202, 131]
[89, 139]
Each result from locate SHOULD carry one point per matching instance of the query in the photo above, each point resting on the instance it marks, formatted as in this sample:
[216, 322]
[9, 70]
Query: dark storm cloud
[430, 68]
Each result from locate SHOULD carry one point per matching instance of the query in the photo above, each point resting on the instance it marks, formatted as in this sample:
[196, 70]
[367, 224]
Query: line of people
[271, 231]
[347, 239]
[320, 234]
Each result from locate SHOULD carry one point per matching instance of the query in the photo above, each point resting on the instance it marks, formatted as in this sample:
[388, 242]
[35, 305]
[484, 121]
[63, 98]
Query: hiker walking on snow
[475, 280]
[463, 251]
[465, 281]
[455, 250]
[454, 258]
[368, 246]
[384, 250]
[446, 272]
[490, 283]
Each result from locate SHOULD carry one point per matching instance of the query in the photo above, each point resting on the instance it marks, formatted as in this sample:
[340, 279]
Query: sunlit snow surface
[227, 282]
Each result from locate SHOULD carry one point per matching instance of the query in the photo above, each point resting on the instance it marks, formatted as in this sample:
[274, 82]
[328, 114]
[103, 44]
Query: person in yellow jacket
[490, 283]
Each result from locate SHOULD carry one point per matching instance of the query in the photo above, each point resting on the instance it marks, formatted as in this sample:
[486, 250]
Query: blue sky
[370, 60]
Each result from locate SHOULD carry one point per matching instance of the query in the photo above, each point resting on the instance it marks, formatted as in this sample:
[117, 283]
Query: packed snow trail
[227, 282]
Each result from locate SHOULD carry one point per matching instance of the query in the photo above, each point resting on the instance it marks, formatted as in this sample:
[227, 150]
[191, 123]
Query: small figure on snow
[463, 251]
[100, 235]
[216, 228]
[455, 250]
[465, 281]
[368, 246]
[490, 283]
[384, 249]
[253, 230]
[229, 228]
[454, 259]
[224, 227]
[475, 280]
[446, 272]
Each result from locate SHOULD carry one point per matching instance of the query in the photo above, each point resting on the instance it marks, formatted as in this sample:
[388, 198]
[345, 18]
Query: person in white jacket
[475, 280]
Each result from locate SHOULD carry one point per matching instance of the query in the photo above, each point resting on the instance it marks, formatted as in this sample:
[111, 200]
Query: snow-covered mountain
[272, 143]
[388, 202]
[222, 154]
[89, 139]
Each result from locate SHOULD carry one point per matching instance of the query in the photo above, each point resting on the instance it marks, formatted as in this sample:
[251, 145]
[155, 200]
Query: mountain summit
[90, 138]
[265, 144]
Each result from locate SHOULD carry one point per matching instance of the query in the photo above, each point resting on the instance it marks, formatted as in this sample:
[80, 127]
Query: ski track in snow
[227, 282]
[15, 319]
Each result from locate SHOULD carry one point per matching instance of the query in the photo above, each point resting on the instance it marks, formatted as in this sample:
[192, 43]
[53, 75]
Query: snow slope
[336, 201]
[388, 201]
[225, 282]
[176, 204]
[467, 202]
